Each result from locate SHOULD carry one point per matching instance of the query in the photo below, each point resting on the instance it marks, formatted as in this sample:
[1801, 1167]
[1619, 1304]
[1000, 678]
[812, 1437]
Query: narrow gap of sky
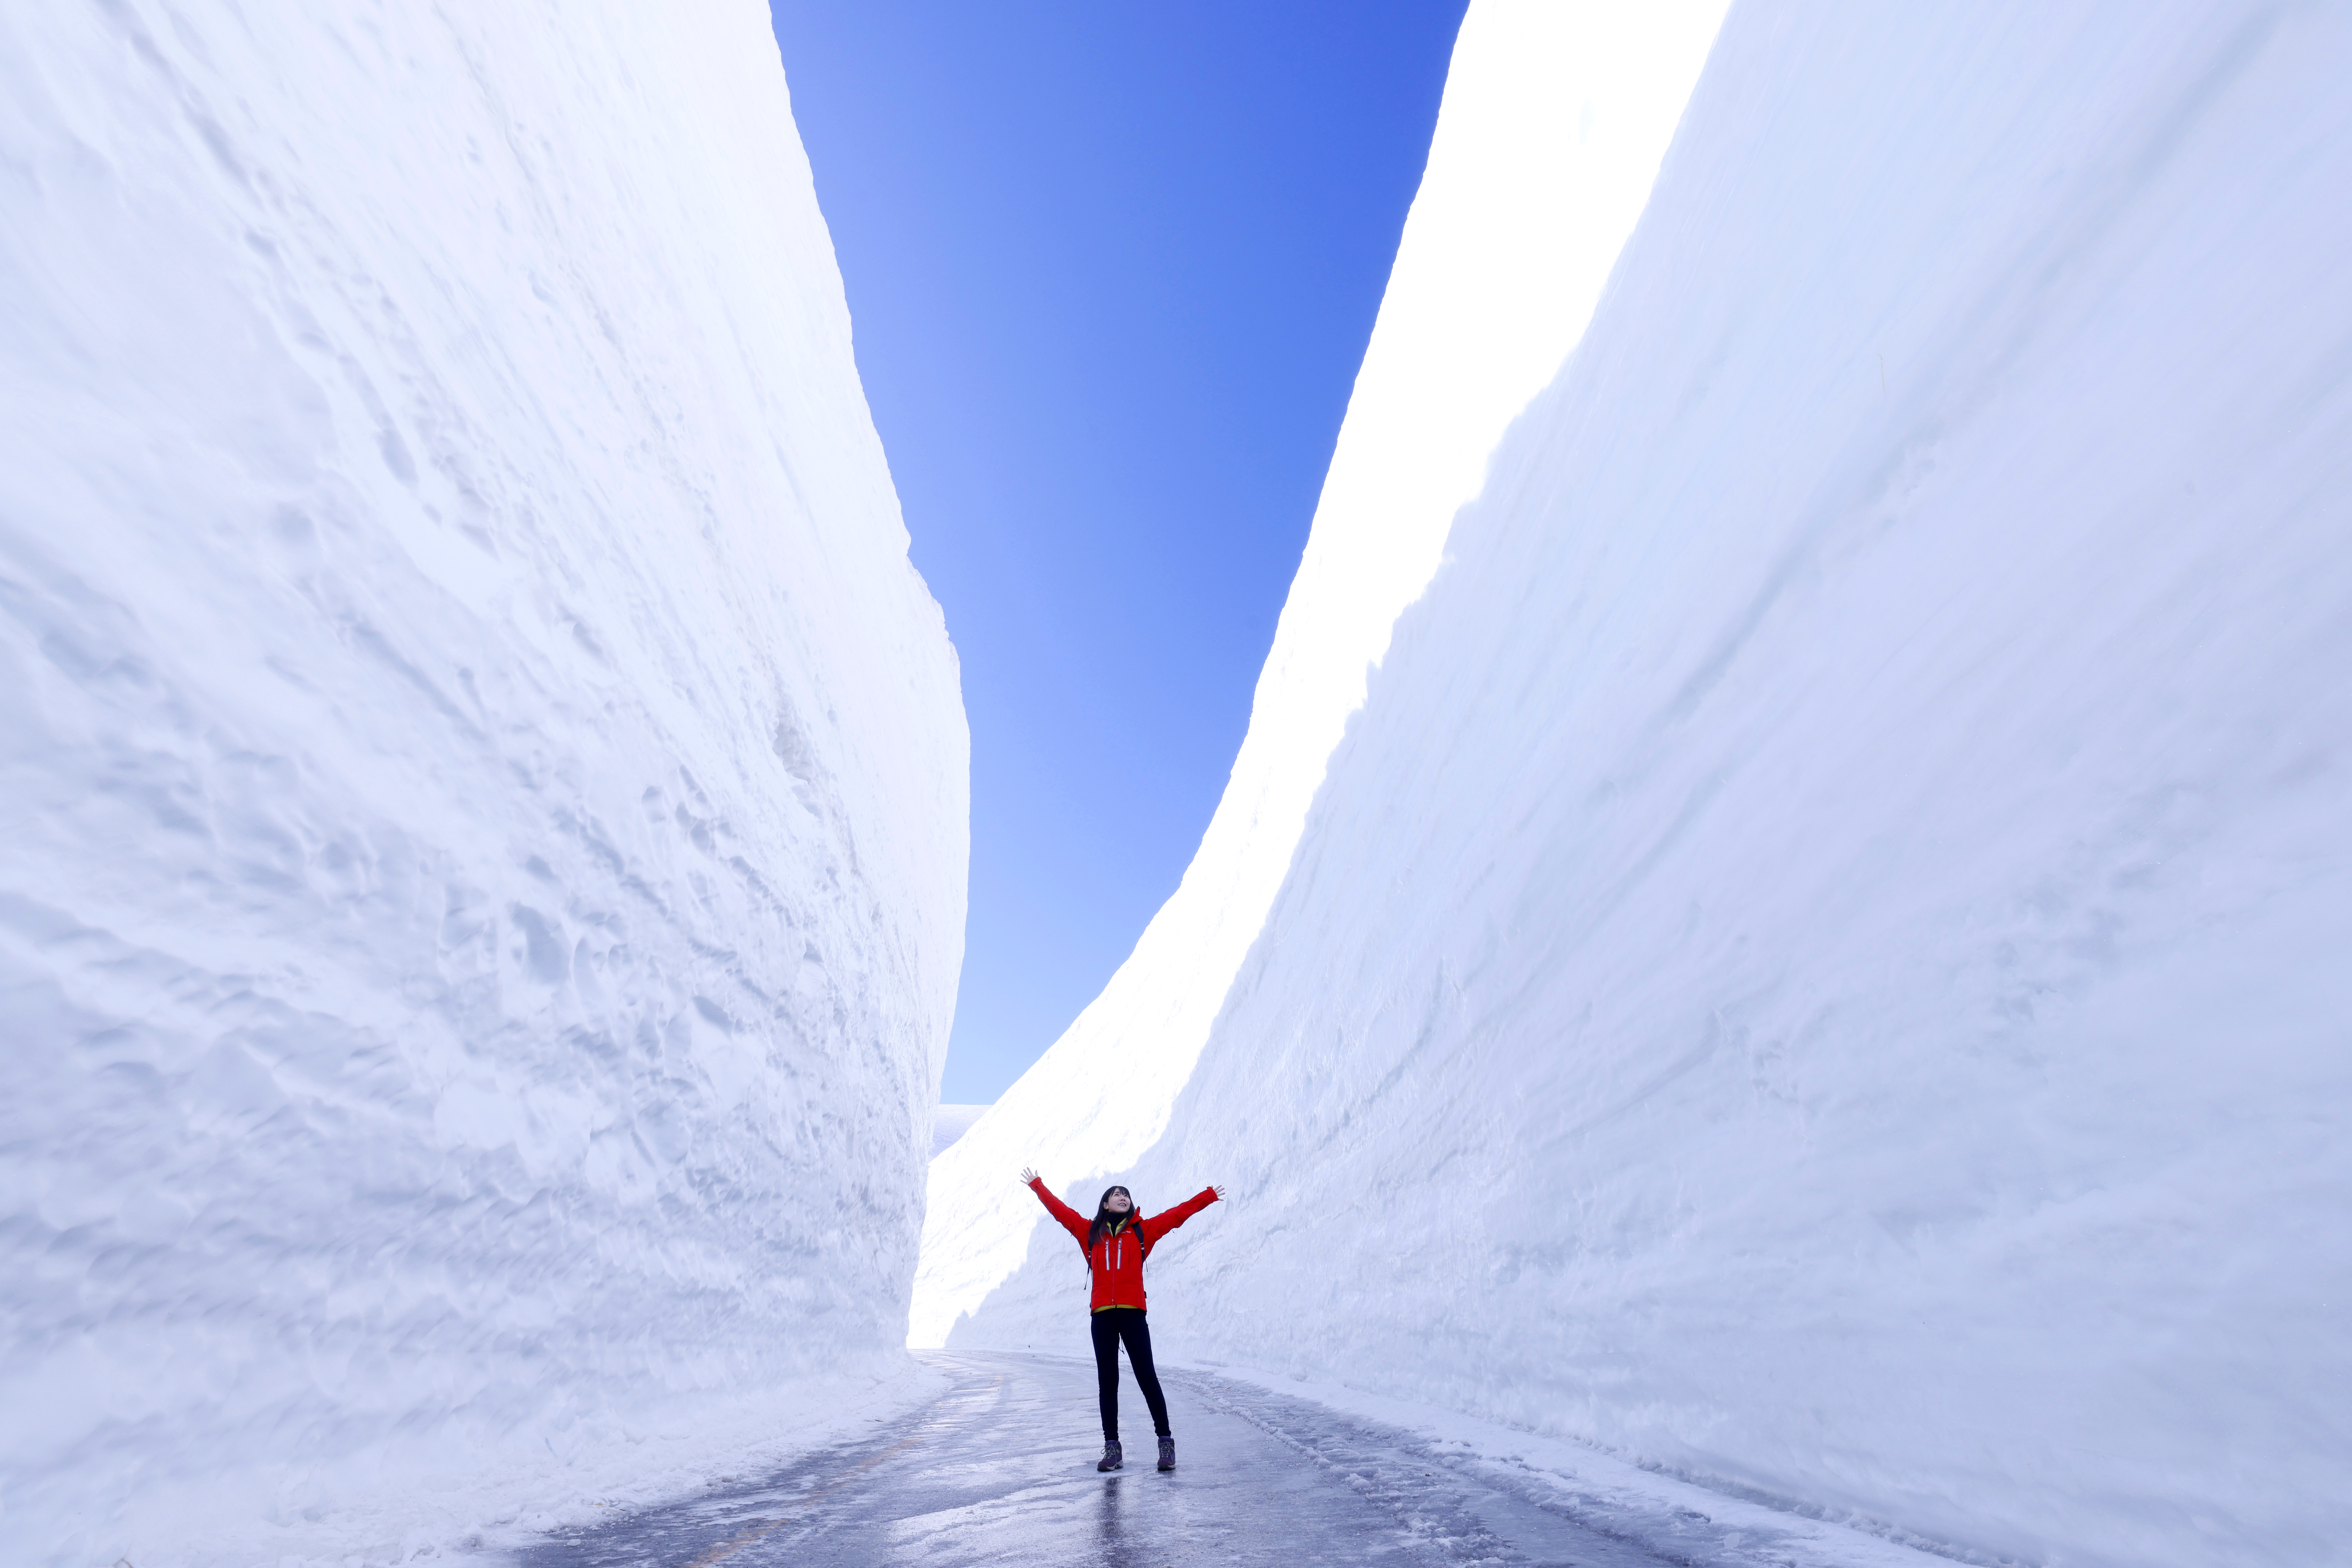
[1111, 270]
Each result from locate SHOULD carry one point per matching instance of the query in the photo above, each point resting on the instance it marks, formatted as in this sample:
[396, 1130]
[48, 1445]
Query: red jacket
[1116, 1261]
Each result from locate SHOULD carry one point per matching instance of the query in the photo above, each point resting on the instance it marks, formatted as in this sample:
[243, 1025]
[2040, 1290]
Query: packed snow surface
[482, 790]
[1819, 964]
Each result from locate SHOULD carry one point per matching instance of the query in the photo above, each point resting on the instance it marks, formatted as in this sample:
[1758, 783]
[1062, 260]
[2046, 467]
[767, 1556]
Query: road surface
[999, 1470]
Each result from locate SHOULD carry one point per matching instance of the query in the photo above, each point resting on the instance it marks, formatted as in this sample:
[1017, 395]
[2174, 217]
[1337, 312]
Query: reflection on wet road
[1000, 1470]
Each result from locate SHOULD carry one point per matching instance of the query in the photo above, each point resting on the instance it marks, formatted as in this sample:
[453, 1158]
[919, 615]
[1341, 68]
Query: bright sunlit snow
[1819, 964]
[1780, 921]
[1553, 122]
[484, 790]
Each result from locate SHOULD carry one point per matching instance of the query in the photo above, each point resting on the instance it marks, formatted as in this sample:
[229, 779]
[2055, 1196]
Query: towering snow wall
[1554, 119]
[482, 790]
[1819, 964]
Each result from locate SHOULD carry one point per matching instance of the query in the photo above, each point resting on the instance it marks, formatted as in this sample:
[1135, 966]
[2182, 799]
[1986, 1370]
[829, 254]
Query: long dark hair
[1104, 1218]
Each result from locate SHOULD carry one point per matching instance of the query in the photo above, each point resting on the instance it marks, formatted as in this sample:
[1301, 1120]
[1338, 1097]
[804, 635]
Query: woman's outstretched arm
[1072, 1221]
[1159, 1225]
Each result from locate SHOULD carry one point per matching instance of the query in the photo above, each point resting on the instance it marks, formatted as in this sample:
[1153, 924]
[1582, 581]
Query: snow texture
[951, 1122]
[1818, 966]
[482, 790]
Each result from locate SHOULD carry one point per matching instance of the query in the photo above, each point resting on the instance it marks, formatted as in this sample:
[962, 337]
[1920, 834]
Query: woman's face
[1119, 1202]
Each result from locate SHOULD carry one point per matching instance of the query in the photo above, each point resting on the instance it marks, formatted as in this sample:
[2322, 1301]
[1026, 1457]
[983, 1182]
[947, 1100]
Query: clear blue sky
[1111, 269]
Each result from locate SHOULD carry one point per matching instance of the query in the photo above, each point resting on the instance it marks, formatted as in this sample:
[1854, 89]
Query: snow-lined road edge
[1687, 1519]
[486, 1517]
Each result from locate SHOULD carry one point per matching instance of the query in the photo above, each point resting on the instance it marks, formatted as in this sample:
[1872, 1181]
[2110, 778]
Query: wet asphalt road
[1000, 1470]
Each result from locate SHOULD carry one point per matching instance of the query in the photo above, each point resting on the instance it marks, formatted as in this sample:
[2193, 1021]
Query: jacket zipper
[1113, 1261]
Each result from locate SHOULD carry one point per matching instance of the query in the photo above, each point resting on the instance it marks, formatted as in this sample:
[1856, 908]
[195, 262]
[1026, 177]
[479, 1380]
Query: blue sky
[1111, 269]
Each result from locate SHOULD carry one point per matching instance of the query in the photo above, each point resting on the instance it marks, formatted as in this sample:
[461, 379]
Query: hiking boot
[1112, 1459]
[1167, 1453]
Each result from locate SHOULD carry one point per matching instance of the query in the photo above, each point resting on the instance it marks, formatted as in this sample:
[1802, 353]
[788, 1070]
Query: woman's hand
[1028, 1175]
[1220, 1192]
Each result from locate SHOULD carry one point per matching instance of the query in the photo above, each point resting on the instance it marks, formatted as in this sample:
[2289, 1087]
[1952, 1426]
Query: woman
[1116, 1243]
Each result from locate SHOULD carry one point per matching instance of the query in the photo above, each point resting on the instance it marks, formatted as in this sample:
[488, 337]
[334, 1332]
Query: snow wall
[1489, 290]
[1818, 964]
[482, 790]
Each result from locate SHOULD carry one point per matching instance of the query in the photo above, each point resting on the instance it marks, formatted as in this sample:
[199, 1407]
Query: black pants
[1113, 1324]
